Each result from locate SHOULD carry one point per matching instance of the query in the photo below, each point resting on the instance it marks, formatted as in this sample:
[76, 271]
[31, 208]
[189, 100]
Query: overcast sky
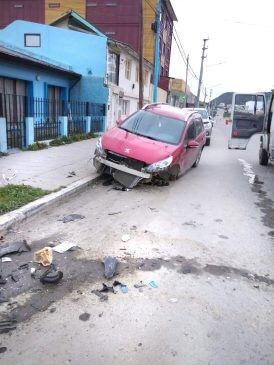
[241, 37]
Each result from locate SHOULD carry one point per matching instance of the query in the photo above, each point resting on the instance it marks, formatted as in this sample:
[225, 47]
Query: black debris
[110, 264]
[52, 310]
[14, 247]
[108, 181]
[114, 213]
[51, 276]
[71, 174]
[8, 325]
[103, 297]
[72, 217]
[3, 281]
[15, 276]
[140, 344]
[107, 289]
[23, 266]
[3, 349]
[100, 314]
[84, 317]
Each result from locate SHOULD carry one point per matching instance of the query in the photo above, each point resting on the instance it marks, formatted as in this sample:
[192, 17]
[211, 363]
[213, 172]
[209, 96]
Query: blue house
[62, 70]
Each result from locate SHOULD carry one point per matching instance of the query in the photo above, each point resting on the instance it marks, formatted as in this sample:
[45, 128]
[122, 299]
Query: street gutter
[16, 216]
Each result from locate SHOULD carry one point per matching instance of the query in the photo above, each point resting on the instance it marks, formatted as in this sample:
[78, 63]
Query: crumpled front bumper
[124, 175]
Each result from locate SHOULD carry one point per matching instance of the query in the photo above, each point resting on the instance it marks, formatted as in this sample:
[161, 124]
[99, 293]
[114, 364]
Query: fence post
[63, 126]
[88, 124]
[3, 135]
[29, 131]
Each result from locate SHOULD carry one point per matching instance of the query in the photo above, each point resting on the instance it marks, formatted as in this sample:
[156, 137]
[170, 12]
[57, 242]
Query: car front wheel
[263, 157]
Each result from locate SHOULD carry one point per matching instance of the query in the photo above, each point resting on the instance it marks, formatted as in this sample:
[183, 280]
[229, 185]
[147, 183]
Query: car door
[190, 154]
[248, 116]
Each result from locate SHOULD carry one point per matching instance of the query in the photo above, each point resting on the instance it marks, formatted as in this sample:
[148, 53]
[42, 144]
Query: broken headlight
[99, 151]
[160, 165]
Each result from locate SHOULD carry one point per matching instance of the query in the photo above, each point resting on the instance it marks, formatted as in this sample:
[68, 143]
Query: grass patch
[70, 139]
[15, 196]
[37, 146]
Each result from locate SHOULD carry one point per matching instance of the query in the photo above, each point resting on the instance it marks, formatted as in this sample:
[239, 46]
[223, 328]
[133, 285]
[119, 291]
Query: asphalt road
[207, 243]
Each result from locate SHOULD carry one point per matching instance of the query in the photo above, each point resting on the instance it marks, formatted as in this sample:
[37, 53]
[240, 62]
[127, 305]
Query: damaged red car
[155, 144]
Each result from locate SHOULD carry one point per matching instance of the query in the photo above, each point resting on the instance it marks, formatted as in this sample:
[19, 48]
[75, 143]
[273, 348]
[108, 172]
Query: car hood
[139, 148]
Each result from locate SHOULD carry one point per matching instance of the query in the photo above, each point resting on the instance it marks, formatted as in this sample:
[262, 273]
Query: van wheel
[196, 163]
[263, 157]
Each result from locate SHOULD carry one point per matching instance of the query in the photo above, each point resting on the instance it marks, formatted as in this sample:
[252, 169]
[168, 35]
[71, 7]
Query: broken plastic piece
[139, 285]
[63, 247]
[51, 276]
[125, 237]
[103, 297]
[106, 289]
[6, 259]
[14, 247]
[110, 264]
[32, 271]
[153, 284]
[44, 256]
[123, 287]
[72, 217]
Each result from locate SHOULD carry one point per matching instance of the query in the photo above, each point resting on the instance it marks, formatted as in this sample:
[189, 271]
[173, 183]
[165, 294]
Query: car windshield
[203, 113]
[154, 126]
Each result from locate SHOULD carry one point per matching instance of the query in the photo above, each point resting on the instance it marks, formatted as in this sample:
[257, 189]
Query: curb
[18, 215]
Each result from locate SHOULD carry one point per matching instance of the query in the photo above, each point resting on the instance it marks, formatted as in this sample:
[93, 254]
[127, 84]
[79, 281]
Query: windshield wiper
[143, 135]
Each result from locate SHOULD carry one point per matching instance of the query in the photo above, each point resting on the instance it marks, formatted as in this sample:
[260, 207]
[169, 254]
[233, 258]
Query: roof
[170, 10]
[169, 111]
[15, 55]
[86, 25]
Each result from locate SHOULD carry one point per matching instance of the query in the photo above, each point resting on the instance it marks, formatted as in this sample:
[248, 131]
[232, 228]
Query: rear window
[155, 126]
[203, 113]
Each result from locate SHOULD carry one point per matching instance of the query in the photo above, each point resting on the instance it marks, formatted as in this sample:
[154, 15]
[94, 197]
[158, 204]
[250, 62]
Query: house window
[125, 107]
[32, 40]
[137, 74]
[113, 68]
[127, 69]
[54, 5]
[146, 77]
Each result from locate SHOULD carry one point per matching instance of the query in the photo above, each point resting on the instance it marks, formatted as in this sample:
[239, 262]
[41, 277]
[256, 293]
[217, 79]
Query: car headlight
[99, 151]
[160, 165]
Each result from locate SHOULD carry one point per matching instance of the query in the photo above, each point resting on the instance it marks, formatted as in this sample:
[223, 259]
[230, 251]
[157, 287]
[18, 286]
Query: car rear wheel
[207, 142]
[196, 163]
[263, 157]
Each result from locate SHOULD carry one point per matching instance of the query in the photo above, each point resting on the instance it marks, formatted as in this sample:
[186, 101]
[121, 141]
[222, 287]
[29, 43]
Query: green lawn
[15, 196]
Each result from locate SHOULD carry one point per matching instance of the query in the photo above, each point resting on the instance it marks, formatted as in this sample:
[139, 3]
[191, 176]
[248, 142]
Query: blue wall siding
[28, 73]
[90, 89]
[85, 53]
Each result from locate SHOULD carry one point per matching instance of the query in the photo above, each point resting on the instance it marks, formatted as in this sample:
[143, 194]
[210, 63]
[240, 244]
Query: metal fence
[46, 114]
[14, 109]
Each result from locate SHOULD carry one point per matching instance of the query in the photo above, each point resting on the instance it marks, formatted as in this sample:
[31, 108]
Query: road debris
[107, 289]
[51, 276]
[122, 287]
[3, 349]
[110, 264]
[71, 174]
[173, 300]
[14, 247]
[153, 284]
[6, 259]
[43, 256]
[72, 218]
[7, 325]
[3, 281]
[84, 317]
[114, 213]
[125, 237]
[32, 271]
[139, 285]
[15, 276]
[63, 247]
[103, 297]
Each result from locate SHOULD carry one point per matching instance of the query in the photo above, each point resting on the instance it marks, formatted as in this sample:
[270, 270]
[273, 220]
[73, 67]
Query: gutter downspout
[157, 52]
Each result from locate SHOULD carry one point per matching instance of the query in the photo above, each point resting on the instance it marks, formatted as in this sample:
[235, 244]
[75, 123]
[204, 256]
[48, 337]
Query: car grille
[127, 161]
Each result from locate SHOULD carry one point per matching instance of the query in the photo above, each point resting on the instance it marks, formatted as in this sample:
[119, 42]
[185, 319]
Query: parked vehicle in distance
[208, 123]
[156, 143]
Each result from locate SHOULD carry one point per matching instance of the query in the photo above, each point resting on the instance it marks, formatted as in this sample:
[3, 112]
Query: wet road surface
[207, 243]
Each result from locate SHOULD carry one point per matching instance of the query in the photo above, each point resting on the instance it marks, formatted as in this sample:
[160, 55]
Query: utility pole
[157, 51]
[210, 96]
[141, 56]
[205, 97]
[187, 64]
[201, 72]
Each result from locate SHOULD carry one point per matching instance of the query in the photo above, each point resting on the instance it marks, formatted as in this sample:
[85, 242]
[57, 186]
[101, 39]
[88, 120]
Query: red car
[157, 143]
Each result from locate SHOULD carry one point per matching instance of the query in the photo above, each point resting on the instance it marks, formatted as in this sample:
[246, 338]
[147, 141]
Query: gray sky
[241, 37]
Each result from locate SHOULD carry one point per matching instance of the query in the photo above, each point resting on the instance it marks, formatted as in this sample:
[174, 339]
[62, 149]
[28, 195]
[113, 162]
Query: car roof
[170, 111]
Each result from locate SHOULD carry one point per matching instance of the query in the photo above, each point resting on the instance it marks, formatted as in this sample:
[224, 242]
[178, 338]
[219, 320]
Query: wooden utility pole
[187, 63]
[201, 73]
[141, 56]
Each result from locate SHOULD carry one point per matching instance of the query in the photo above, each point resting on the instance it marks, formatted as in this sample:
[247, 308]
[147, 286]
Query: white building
[123, 81]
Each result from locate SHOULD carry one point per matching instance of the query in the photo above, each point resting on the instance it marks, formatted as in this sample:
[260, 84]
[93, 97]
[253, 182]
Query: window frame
[32, 34]
[128, 65]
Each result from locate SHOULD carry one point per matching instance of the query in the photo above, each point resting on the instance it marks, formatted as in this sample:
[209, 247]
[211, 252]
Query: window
[54, 5]
[113, 68]
[199, 126]
[191, 132]
[32, 40]
[127, 69]
[125, 107]
[137, 74]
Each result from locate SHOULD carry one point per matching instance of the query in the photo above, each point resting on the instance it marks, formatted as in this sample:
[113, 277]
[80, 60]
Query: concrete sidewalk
[49, 168]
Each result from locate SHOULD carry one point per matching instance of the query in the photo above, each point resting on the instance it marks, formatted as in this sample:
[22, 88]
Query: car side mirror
[192, 144]
[210, 117]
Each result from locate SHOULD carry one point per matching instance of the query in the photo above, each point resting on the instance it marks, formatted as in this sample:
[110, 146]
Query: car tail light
[235, 134]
